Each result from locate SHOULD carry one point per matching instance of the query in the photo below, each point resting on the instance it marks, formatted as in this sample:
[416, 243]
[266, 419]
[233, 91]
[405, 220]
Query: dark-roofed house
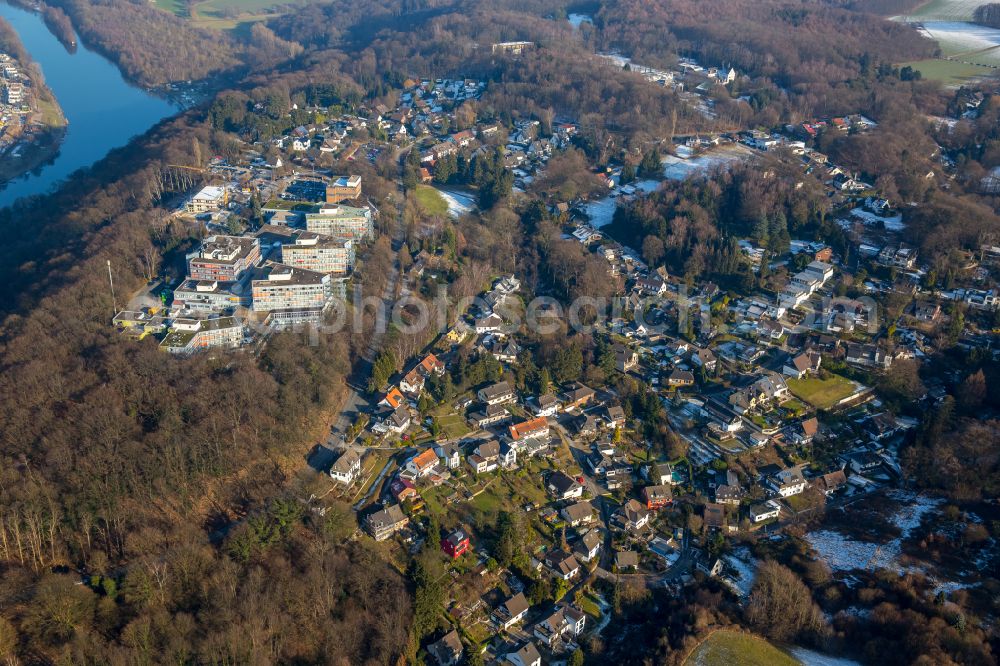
[679, 378]
[631, 516]
[626, 559]
[788, 482]
[577, 396]
[562, 486]
[715, 516]
[615, 416]
[580, 513]
[525, 655]
[510, 612]
[657, 497]
[490, 415]
[562, 564]
[625, 359]
[347, 467]
[448, 650]
[383, 524]
[561, 621]
[496, 394]
[832, 482]
[704, 358]
[588, 547]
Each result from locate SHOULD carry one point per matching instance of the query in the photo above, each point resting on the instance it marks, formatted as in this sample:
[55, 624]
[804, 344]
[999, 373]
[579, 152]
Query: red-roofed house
[534, 428]
[431, 364]
[393, 399]
[422, 464]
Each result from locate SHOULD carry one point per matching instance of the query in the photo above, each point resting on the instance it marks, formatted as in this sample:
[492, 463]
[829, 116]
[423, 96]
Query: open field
[950, 72]
[822, 393]
[731, 648]
[430, 200]
[944, 10]
[230, 15]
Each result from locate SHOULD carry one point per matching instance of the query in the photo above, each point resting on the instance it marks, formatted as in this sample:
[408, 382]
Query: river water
[104, 111]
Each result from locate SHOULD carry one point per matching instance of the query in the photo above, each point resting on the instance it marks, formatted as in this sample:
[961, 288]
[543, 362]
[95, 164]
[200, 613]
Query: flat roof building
[187, 336]
[315, 252]
[343, 188]
[223, 258]
[341, 222]
[291, 295]
[206, 296]
[207, 199]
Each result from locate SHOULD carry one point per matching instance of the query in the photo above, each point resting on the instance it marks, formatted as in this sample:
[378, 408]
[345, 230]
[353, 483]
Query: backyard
[822, 393]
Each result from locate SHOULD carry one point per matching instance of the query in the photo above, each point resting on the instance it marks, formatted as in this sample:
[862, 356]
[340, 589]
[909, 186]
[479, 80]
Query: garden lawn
[453, 425]
[822, 393]
[430, 200]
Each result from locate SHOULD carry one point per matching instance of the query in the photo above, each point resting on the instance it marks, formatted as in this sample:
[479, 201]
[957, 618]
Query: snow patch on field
[745, 567]
[968, 39]
[459, 203]
[913, 509]
[894, 223]
[680, 168]
[813, 658]
[602, 211]
[843, 553]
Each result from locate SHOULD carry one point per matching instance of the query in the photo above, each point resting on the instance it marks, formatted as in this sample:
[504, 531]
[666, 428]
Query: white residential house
[788, 482]
[765, 511]
[347, 467]
[489, 324]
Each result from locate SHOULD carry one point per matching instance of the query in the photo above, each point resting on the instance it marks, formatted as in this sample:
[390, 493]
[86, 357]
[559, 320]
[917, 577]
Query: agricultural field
[951, 73]
[971, 51]
[822, 393]
[731, 648]
[943, 10]
[222, 14]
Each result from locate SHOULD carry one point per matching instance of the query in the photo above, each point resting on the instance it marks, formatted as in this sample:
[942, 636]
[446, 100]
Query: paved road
[323, 455]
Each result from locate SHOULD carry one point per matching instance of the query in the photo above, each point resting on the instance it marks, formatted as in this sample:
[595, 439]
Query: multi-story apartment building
[187, 336]
[323, 254]
[343, 188]
[341, 222]
[223, 258]
[14, 93]
[210, 296]
[291, 295]
[208, 199]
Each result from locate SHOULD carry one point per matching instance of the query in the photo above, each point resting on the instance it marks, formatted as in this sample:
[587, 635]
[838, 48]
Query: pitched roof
[715, 515]
[430, 363]
[579, 511]
[516, 605]
[425, 459]
[394, 397]
[627, 558]
[526, 428]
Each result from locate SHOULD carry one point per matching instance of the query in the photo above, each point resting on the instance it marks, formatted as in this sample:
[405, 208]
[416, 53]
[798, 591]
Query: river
[104, 111]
